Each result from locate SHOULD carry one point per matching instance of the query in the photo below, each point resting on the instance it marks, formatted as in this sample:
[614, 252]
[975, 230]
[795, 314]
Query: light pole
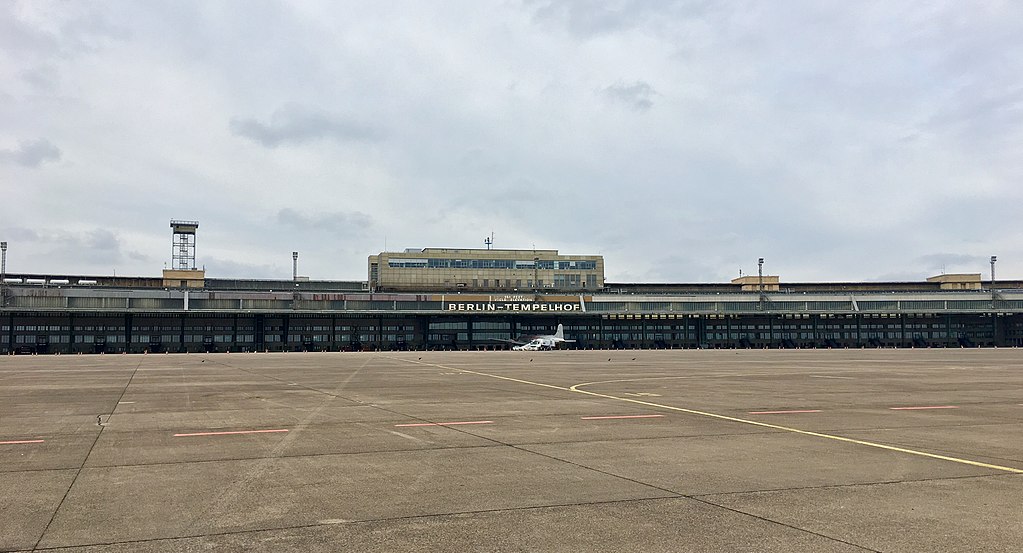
[3, 274]
[760, 275]
[994, 298]
[294, 262]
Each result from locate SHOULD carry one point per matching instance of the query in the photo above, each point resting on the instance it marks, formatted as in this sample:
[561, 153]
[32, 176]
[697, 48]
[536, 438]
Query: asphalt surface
[811, 450]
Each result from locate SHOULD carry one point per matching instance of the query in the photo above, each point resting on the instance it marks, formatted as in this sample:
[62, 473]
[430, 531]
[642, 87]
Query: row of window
[573, 280]
[443, 337]
[864, 326]
[542, 264]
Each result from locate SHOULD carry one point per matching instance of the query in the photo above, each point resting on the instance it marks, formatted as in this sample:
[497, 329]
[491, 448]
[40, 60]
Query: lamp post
[294, 263]
[760, 275]
[3, 274]
[993, 259]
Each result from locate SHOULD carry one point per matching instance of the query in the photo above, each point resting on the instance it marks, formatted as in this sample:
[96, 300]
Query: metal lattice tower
[183, 244]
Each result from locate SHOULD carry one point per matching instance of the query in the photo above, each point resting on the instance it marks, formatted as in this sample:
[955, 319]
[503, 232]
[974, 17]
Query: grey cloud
[98, 247]
[225, 268]
[20, 234]
[587, 18]
[638, 95]
[31, 153]
[70, 31]
[669, 267]
[981, 114]
[900, 276]
[42, 78]
[293, 124]
[17, 36]
[336, 223]
[938, 262]
[102, 240]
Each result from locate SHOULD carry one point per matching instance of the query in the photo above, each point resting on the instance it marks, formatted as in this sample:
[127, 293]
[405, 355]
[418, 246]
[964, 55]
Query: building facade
[239, 316]
[474, 270]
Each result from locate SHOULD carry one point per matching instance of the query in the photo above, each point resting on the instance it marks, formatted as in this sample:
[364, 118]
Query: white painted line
[828, 376]
[576, 388]
[13, 442]
[124, 402]
[407, 437]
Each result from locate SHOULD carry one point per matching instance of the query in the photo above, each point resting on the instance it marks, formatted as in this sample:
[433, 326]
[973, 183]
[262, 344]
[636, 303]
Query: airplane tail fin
[560, 334]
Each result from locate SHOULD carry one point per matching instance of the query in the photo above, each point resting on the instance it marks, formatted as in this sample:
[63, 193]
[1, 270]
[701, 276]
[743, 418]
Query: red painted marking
[782, 412]
[927, 407]
[231, 432]
[444, 423]
[622, 417]
[12, 442]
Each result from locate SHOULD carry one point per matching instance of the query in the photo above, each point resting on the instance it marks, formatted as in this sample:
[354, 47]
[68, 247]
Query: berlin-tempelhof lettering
[514, 307]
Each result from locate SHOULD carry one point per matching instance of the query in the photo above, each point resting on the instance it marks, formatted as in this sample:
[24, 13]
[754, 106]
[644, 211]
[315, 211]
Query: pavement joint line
[335, 394]
[80, 468]
[852, 485]
[780, 523]
[576, 388]
[260, 458]
[261, 465]
[328, 523]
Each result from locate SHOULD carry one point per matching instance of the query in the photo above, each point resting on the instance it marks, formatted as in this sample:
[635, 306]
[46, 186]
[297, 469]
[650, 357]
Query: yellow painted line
[577, 389]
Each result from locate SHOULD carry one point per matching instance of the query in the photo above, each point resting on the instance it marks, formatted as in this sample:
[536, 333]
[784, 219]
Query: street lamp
[993, 259]
[3, 274]
[760, 275]
[294, 261]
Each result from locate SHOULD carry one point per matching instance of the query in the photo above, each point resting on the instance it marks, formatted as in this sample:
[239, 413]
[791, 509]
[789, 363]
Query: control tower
[183, 272]
[183, 246]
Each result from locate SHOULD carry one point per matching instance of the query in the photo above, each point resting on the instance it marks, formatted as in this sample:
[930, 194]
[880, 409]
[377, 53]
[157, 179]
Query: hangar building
[471, 299]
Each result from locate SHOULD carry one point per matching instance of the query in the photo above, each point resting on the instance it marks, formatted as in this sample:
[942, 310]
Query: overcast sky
[841, 141]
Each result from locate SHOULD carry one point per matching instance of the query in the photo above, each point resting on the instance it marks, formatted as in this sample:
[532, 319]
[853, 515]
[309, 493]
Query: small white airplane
[543, 342]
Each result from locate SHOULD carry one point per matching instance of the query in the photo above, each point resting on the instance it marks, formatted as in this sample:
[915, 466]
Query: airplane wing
[516, 342]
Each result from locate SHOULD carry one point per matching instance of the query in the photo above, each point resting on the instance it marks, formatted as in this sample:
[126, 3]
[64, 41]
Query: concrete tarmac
[684, 450]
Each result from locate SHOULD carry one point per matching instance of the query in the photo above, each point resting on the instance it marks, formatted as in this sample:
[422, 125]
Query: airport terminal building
[464, 270]
[471, 299]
